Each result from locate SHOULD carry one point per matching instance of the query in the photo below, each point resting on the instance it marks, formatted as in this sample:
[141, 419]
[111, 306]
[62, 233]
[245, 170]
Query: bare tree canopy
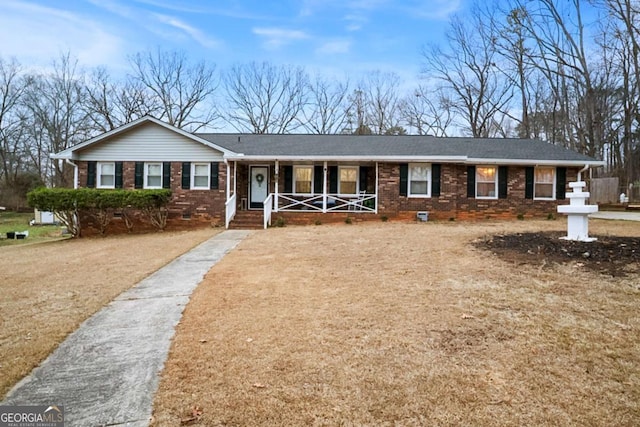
[469, 73]
[265, 98]
[184, 92]
[326, 108]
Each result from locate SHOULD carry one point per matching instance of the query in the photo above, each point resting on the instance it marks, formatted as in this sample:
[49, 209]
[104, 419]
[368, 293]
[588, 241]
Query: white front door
[259, 186]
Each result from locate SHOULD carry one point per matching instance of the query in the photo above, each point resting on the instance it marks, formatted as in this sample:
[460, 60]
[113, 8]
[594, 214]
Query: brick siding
[192, 207]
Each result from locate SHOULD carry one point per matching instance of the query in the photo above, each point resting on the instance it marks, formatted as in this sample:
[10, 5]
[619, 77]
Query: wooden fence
[604, 190]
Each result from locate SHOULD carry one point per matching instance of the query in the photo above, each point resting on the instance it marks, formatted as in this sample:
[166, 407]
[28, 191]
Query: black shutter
[503, 173]
[561, 183]
[404, 178]
[333, 179]
[364, 177]
[318, 175]
[528, 182]
[166, 175]
[91, 174]
[288, 179]
[471, 181]
[186, 175]
[435, 179]
[215, 176]
[118, 174]
[139, 175]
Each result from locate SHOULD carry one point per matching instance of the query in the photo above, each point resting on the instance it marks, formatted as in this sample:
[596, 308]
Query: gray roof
[407, 146]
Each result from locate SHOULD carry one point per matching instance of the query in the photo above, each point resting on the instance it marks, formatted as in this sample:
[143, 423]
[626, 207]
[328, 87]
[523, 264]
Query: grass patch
[12, 221]
[398, 324]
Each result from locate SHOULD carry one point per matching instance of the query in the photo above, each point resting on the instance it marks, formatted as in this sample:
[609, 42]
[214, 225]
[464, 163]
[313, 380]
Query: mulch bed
[615, 256]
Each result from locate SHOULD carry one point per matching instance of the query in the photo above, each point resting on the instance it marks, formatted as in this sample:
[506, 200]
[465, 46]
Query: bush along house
[250, 179]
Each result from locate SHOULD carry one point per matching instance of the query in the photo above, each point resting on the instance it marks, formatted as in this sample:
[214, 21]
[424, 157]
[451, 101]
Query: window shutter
[561, 183]
[435, 179]
[166, 175]
[288, 179]
[215, 176]
[139, 172]
[91, 174]
[364, 177]
[333, 179]
[528, 182]
[318, 175]
[471, 182]
[503, 173]
[186, 175]
[404, 178]
[118, 174]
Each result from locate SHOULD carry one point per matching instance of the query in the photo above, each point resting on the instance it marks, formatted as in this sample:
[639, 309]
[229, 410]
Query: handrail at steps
[230, 210]
[268, 208]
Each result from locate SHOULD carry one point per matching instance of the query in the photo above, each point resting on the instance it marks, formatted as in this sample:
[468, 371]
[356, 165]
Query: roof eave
[408, 159]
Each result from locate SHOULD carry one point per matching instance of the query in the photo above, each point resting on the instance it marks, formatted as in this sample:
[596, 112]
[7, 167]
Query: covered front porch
[321, 187]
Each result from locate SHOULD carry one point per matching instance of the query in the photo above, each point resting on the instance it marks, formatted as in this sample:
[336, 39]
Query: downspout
[75, 172]
[580, 172]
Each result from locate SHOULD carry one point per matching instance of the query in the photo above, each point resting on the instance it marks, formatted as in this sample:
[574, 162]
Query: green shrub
[384, 218]
[520, 216]
[348, 220]
[69, 203]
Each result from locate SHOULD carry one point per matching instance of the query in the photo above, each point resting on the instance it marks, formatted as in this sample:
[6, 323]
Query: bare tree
[326, 109]
[12, 130]
[183, 91]
[56, 116]
[264, 98]
[468, 73]
[381, 100]
[424, 116]
[111, 104]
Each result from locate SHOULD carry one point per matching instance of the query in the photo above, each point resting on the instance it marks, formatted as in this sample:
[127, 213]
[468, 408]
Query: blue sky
[333, 37]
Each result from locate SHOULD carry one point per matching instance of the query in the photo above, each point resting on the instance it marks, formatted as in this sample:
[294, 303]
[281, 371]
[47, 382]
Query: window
[544, 183]
[107, 175]
[486, 182]
[303, 179]
[200, 176]
[348, 180]
[153, 175]
[419, 178]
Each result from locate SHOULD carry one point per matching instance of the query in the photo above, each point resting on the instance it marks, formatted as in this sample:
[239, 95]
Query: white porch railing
[289, 202]
[230, 210]
[268, 208]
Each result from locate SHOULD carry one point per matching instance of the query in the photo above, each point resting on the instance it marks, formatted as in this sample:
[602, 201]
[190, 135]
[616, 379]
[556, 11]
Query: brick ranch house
[248, 179]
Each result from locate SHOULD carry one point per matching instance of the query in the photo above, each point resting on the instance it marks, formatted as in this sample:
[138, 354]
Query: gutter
[417, 159]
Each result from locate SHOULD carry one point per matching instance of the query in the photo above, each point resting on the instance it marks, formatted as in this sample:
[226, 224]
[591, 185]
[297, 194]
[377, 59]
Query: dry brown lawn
[403, 325]
[48, 289]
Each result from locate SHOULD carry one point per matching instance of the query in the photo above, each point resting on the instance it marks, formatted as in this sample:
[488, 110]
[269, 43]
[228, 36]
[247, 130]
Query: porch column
[324, 188]
[235, 179]
[377, 199]
[277, 178]
[228, 189]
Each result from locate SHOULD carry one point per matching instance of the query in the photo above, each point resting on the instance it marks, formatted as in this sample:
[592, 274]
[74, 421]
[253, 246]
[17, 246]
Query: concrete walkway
[620, 215]
[107, 372]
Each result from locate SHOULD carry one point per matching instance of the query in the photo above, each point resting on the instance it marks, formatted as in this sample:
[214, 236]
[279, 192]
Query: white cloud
[37, 34]
[334, 47]
[277, 37]
[355, 21]
[192, 32]
[434, 9]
